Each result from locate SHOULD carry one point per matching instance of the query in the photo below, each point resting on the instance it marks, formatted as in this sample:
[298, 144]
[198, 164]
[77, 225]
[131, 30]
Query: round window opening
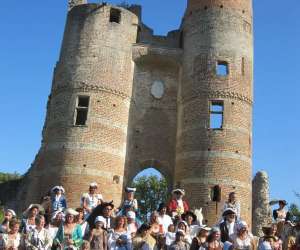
[158, 89]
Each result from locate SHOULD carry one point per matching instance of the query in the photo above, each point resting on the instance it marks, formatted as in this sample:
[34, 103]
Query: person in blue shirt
[58, 200]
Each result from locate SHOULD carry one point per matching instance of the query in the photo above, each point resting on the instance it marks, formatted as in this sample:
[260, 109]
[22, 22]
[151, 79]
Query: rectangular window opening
[115, 16]
[82, 109]
[83, 101]
[222, 68]
[216, 114]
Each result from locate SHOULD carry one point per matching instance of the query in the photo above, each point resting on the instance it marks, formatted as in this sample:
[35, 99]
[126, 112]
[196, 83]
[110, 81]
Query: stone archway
[162, 168]
[152, 189]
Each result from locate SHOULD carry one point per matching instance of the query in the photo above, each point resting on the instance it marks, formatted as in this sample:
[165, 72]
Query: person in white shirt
[164, 220]
[234, 204]
[91, 199]
[228, 227]
[243, 240]
[39, 238]
[132, 225]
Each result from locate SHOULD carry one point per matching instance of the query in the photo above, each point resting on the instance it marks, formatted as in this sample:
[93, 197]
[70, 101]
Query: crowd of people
[98, 225]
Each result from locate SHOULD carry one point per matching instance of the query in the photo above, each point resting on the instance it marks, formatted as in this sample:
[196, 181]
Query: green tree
[1, 213]
[5, 177]
[294, 209]
[151, 191]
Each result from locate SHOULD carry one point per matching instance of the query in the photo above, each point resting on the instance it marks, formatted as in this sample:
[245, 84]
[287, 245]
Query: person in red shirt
[177, 205]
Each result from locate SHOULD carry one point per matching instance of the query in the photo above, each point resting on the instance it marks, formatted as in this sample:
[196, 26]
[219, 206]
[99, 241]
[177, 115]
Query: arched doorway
[152, 189]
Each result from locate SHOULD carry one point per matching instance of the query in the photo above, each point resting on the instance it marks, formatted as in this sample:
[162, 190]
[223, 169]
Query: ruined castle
[124, 99]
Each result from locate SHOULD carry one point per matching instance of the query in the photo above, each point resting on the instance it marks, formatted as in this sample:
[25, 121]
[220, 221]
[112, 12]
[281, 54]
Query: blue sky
[31, 34]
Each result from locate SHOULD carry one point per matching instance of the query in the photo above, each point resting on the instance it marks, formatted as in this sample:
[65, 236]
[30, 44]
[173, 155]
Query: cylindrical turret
[84, 137]
[214, 135]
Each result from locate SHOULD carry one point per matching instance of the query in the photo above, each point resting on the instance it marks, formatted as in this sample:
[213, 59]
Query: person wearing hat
[9, 214]
[243, 238]
[28, 221]
[200, 241]
[183, 226]
[57, 219]
[234, 204]
[58, 200]
[98, 235]
[281, 215]
[69, 234]
[177, 205]
[132, 225]
[91, 199]
[228, 225]
[180, 242]
[130, 203]
[164, 220]
[191, 220]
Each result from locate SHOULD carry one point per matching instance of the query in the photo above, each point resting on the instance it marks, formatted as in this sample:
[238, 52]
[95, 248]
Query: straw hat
[38, 206]
[13, 213]
[71, 211]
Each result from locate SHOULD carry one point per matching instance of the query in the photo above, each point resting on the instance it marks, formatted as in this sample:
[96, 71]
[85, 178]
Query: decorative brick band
[83, 87]
[214, 154]
[218, 94]
[86, 146]
[203, 125]
[97, 120]
[79, 170]
[214, 181]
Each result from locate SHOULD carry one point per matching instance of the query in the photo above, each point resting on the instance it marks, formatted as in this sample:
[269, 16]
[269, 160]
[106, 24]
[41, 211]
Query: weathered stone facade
[262, 213]
[149, 104]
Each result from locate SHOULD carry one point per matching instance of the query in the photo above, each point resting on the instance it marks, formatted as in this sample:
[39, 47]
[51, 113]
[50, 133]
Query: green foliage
[1, 214]
[151, 191]
[294, 209]
[5, 177]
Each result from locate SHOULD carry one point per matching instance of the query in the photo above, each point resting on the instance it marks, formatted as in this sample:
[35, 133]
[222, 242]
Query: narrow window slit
[216, 114]
[81, 111]
[115, 16]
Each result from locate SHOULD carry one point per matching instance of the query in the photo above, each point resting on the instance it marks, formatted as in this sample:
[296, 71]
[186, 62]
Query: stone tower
[261, 210]
[214, 130]
[124, 99]
[84, 136]
[73, 3]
